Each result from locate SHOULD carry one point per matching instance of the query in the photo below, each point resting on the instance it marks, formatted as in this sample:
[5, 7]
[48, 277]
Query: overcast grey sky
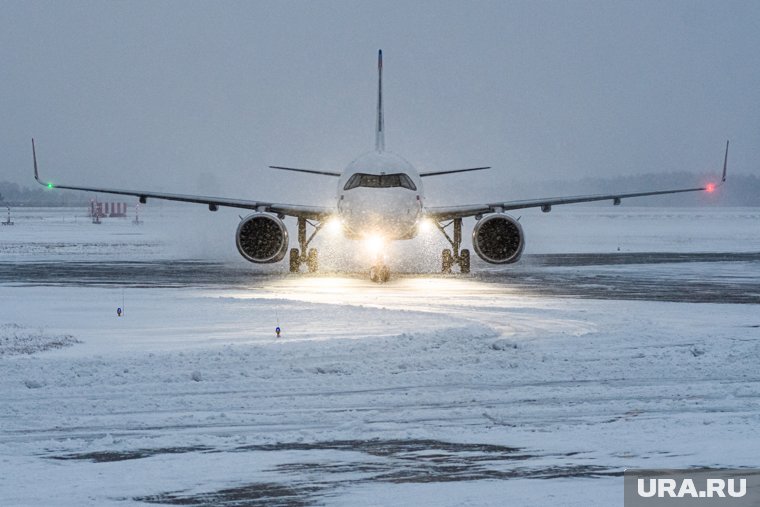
[191, 96]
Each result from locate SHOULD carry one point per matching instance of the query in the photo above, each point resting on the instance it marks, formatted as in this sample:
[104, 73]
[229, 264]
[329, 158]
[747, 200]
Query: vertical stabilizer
[380, 127]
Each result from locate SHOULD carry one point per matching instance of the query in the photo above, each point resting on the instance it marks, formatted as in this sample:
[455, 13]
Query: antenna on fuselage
[380, 127]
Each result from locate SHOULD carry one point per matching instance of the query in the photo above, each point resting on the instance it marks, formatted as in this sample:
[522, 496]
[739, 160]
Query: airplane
[379, 199]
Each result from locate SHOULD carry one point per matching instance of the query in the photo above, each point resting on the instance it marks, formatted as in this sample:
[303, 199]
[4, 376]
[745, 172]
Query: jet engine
[262, 238]
[498, 239]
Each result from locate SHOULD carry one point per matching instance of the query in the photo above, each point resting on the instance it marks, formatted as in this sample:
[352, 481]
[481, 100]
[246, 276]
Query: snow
[15, 339]
[428, 390]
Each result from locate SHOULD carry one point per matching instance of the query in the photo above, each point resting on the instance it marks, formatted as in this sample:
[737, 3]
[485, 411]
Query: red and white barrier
[108, 209]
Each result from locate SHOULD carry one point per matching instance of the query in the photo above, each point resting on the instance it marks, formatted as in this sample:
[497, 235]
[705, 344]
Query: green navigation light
[50, 185]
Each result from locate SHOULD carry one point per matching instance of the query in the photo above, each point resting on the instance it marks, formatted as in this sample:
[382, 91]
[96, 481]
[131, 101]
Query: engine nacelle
[262, 238]
[498, 239]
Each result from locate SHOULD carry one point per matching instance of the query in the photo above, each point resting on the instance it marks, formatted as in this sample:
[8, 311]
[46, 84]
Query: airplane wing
[451, 212]
[452, 171]
[308, 171]
[294, 210]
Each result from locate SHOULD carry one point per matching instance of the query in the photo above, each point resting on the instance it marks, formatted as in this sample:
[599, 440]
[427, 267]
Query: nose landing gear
[380, 273]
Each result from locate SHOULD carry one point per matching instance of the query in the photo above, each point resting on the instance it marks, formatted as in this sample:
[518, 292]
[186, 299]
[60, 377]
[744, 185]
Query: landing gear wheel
[295, 260]
[312, 261]
[380, 273]
[464, 261]
[447, 261]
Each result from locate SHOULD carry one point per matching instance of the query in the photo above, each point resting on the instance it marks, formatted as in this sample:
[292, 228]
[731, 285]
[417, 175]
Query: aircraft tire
[385, 274]
[295, 260]
[312, 260]
[380, 273]
[464, 261]
[447, 260]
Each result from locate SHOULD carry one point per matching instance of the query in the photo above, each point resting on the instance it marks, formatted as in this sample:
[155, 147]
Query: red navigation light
[710, 187]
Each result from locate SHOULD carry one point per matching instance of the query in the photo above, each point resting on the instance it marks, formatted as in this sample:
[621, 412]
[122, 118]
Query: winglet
[712, 186]
[34, 156]
[725, 164]
[380, 127]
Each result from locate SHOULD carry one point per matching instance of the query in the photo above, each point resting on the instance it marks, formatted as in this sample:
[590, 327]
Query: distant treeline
[741, 190]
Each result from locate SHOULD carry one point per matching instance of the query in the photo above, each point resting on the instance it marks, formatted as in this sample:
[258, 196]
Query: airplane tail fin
[380, 127]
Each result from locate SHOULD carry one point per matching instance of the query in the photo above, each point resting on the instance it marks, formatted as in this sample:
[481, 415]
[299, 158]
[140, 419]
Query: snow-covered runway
[536, 384]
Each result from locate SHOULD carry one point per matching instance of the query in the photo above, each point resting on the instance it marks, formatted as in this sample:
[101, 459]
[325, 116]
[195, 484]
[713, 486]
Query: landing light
[374, 244]
[426, 225]
[334, 226]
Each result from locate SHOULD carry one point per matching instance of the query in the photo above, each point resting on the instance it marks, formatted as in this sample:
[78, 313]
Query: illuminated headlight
[334, 225]
[425, 225]
[373, 244]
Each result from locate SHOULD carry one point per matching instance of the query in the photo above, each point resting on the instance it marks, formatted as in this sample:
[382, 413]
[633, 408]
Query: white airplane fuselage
[380, 195]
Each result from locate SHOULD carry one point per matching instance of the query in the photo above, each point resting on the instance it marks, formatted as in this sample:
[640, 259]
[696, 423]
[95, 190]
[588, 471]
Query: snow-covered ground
[428, 390]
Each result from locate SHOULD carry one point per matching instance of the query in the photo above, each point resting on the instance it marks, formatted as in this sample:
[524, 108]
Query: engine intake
[498, 239]
[262, 238]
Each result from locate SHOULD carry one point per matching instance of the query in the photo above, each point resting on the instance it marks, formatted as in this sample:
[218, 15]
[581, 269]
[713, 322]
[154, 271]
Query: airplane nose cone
[391, 214]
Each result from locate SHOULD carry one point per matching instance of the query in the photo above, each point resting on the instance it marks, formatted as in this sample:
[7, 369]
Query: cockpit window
[380, 181]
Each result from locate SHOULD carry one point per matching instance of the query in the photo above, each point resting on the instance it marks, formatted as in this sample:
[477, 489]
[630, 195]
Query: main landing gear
[304, 254]
[450, 257]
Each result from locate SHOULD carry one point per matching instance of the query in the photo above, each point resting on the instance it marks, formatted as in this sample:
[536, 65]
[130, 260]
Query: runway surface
[729, 277]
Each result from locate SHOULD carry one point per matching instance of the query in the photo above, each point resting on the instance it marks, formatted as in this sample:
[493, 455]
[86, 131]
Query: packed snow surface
[533, 384]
